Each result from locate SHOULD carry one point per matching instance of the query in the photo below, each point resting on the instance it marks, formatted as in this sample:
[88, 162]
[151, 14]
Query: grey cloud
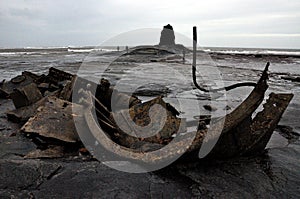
[69, 22]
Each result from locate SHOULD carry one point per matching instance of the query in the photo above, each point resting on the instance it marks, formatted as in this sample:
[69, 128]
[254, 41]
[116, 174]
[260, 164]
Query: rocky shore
[274, 174]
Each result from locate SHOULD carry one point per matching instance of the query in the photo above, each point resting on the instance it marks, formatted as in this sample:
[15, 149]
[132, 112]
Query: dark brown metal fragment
[54, 120]
[26, 95]
[7, 87]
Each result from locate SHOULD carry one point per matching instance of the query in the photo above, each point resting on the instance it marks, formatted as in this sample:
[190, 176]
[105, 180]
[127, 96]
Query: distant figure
[167, 36]
[126, 49]
[118, 48]
[183, 55]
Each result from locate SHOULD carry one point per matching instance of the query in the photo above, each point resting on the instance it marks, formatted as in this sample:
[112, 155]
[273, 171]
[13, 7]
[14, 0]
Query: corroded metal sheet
[26, 95]
[7, 87]
[24, 113]
[161, 123]
[54, 120]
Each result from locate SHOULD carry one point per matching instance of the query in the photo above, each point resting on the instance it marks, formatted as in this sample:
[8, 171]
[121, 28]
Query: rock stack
[167, 36]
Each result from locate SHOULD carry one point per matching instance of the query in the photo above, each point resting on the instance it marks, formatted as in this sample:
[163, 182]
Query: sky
[220, 23]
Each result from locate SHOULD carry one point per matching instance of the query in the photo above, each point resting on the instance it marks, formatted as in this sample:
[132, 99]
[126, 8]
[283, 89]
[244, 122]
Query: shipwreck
[48, 112]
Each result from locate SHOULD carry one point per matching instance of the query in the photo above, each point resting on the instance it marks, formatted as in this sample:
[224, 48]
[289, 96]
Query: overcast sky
[233, 23]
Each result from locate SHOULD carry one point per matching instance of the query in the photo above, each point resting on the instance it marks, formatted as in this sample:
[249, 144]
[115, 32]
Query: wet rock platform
[274, 174]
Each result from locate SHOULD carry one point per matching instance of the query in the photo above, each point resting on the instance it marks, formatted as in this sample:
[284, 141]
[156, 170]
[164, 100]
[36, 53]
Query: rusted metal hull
[251, 136]
[237, 134]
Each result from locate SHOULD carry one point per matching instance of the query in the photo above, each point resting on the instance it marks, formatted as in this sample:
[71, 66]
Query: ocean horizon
[86, 49]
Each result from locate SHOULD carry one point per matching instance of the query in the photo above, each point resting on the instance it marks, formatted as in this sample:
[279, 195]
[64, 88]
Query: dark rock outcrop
[167, 41]
[167, 36]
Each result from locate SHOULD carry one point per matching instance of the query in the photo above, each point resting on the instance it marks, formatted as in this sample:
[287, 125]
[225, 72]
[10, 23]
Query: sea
[38, 59]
